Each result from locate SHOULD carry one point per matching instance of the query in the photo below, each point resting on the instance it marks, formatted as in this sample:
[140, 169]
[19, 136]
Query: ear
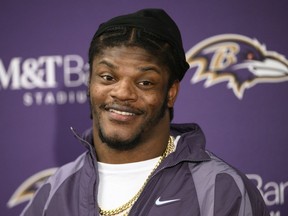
[172, 93]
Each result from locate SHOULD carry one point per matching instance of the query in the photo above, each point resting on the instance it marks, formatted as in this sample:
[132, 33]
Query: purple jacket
[192, 180]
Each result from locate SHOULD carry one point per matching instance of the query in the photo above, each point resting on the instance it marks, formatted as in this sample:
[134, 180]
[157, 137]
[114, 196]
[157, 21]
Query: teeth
[121, 113]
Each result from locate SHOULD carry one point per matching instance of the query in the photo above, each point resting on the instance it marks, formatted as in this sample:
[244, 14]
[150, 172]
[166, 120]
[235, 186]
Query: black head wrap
[157, 22]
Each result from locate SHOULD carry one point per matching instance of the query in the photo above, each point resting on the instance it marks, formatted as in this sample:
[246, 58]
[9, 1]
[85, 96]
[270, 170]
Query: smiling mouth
[121, 112]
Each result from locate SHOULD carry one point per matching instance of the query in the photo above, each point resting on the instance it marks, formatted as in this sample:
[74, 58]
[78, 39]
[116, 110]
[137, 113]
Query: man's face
[129, 96]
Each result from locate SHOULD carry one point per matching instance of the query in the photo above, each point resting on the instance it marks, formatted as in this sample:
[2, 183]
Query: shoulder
[67, 171]
[228, 186]
[45, 193]
[222, 175]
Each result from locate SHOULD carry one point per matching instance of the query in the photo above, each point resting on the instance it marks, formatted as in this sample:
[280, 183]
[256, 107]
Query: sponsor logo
[273, 193]
[159, 202]
[27, 189]
[239, 60]
[46, 80]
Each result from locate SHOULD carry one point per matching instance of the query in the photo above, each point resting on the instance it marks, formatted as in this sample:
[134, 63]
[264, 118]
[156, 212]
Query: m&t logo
[40, 72]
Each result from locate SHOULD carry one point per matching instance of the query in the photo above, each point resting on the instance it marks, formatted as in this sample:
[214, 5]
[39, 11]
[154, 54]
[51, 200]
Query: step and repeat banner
[236, 88]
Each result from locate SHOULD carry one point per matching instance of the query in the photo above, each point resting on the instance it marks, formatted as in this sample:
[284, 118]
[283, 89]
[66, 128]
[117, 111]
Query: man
[137, 163]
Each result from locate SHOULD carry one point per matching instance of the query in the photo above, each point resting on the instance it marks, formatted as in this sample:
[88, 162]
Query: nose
[124, 90]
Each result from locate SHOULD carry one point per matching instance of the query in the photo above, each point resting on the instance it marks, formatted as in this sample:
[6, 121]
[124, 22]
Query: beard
[115, 142]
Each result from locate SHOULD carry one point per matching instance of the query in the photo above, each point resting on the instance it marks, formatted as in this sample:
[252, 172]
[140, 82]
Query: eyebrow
[109, 64]
[141, 69]
[148, 68]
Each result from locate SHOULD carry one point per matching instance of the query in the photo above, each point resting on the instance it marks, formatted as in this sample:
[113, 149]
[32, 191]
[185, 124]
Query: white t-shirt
[120, 182]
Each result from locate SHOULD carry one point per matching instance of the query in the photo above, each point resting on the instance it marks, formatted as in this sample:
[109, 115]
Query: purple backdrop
[43, 55]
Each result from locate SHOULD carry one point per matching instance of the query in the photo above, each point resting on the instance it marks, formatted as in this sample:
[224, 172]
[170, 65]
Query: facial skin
[129, 99]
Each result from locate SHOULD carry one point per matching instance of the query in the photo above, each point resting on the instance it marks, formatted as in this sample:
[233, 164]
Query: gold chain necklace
[170, 148]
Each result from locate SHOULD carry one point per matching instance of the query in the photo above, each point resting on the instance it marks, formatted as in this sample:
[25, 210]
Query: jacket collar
[86, 139]
[190, 145]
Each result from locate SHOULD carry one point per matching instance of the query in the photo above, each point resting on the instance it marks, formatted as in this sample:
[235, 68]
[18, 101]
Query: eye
[250, 56]
[107, 77]
[145, 83]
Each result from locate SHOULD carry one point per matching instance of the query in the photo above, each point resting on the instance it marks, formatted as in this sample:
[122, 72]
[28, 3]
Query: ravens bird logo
[238, 60]
[27, 189]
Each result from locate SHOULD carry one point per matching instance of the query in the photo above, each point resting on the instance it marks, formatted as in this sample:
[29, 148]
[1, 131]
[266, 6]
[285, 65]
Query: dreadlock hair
[136, 37]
